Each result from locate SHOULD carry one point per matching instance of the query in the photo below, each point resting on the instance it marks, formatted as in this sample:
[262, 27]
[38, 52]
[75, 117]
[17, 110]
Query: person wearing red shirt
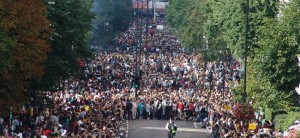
[180, 107]
[47, 132]
[190, 109]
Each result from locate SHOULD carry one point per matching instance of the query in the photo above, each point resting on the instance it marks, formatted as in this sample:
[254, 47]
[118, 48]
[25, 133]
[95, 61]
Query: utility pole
[154, 10]
[223, 78]
[136, 47]
[141, 35]
[147, 22]
[147, 29]
[246, 51]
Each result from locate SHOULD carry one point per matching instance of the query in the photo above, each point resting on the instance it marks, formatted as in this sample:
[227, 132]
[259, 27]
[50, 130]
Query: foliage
[6, 45]
[273, 43]
[189, 19]
[274, 68]
[24, 36]
[226, 22]
[178, 12]
[286, 120]
[71, 22]
[113, 16]
[243, 111]
[220, 23]
[238, 93]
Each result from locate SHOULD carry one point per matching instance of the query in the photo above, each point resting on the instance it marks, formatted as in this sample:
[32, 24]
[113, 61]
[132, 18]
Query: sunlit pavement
[156, 129]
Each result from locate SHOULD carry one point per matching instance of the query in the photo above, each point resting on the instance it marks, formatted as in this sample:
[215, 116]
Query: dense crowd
[175, 84]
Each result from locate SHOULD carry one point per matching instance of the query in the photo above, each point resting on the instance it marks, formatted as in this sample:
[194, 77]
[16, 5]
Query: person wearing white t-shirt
[20, 135]
[1, 120]
[79, 122]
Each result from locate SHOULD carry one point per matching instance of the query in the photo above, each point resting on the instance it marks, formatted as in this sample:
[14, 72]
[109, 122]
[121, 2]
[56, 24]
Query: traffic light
[136, 83]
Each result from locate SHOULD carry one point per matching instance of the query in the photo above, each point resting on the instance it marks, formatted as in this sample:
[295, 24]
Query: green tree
[113, 16]
[71, 23]
[273, 71]
[188, 19]
[226, 22]
[273, 42]
[178, 12]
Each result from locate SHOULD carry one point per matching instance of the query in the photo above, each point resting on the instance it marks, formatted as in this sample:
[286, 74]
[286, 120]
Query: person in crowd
[172, 129]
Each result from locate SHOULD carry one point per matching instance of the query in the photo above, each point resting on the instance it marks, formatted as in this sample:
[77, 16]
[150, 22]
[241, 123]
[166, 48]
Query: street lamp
[154, 10]
[223, 73]
[298, 88]
[210, 81]
[138, 36]
[205, 48]
[210, 78]
[147, 23]
[246, 50]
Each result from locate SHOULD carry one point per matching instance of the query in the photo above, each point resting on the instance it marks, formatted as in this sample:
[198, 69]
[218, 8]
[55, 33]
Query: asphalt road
[156, 129]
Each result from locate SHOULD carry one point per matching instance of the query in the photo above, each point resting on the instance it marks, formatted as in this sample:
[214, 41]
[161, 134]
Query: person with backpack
[172, 128]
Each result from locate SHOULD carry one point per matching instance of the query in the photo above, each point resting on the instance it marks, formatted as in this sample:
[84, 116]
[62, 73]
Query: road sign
[252, 126]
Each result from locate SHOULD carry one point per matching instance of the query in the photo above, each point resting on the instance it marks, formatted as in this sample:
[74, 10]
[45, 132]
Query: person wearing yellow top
[86, 108]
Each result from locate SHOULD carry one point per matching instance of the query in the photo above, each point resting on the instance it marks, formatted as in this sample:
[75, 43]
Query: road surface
[156, 129]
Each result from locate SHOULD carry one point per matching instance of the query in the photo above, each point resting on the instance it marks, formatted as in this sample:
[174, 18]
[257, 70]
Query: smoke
[96, 6]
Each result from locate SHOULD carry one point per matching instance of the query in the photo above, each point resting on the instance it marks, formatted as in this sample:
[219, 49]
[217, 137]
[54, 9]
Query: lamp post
[223, 81]
[10, 116]
[147, 23]
[141, 34]
[246, 51]
[298, 88]
[138, 36]
[136, 48]
[205, 48]
[223, 74]
[154, 10]
[210, 79]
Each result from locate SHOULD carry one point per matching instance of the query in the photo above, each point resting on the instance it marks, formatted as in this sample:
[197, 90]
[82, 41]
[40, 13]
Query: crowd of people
[174, 84]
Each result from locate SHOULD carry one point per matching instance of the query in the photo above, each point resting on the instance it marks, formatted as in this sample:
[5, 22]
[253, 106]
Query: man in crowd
[172, 128]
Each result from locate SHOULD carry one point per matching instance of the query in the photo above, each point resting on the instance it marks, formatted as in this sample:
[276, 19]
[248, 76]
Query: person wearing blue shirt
[140, 110]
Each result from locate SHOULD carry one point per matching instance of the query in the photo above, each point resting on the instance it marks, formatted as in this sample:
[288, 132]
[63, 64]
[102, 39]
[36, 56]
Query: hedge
[284, 121]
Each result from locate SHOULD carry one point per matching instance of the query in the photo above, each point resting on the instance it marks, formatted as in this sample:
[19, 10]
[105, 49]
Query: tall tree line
[41, 42]
[273, 42]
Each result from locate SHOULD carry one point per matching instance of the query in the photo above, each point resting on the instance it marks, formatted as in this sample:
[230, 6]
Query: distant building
[159, 4]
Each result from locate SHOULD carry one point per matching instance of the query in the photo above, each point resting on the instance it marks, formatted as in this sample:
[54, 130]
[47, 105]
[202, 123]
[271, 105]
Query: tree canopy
[71, 23]
[273, 42]
[274, 62]
[41, 43]
[190, 20]
[24, 45]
